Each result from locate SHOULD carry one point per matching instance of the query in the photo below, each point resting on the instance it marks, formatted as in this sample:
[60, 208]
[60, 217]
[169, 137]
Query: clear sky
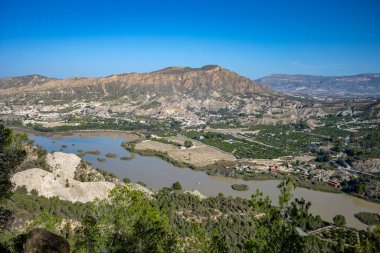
[61, 38]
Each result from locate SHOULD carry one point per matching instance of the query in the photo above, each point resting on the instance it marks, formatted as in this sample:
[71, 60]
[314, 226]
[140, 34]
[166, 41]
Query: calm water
[157, 173]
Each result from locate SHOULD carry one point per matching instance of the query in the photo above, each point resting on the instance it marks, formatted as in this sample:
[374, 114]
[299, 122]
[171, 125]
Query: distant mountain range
[326, 86]
[182, 92]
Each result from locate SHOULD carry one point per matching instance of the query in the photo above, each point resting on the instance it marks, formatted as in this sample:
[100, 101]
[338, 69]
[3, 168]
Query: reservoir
[156, 174]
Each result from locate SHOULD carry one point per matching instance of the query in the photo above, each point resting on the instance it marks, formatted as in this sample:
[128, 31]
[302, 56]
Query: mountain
[14, 82]
[357, 85]
[209, 93]
[197, 82]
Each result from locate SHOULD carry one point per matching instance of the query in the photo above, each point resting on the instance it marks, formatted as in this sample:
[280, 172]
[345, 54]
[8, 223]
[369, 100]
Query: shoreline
[131, 136]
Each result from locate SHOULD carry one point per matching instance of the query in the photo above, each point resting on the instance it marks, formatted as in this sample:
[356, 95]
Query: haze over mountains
[356, 85]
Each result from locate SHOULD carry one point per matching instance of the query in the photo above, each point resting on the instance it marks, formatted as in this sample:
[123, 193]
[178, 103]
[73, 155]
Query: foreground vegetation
[171, 220]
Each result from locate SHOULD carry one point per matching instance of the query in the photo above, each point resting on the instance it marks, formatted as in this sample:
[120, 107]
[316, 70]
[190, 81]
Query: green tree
[286, 189]
[11, 155]
[89, 237]
[339, 220]
[126, 180]
[218, 243]
[177, 186]
[188, 144]
[134, 224]
[46, 221]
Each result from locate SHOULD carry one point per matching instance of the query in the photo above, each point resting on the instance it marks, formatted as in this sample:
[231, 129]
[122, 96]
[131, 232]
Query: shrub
[177, 186]
[141, 183]
[339, 220]
[188, 144]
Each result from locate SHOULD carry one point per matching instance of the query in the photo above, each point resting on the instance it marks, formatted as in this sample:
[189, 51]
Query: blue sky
[252, 38]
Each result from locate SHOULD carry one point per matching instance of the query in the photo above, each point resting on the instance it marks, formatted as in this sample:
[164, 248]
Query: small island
[240, 187]
[369, 219]
[111, 155]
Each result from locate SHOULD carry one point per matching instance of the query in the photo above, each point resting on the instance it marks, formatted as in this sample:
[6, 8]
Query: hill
[193, 95]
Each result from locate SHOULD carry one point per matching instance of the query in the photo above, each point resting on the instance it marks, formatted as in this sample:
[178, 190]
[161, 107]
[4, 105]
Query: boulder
[42, 241]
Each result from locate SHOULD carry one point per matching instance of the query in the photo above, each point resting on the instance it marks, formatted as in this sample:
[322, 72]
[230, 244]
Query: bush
[188, 144]
[126, 180]
[141, 183]
[34, 192]
[177, 186]
[339, 220]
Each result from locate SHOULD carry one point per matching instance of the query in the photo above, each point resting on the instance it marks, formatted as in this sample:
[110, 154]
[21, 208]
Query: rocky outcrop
[63, 165]
[367, 165]
[42, 241]
[197, 95]
[196, 193]
[63, 180]
[49, 185]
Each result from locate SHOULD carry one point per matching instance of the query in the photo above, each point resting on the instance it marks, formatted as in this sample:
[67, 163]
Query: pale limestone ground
[197, 194]
[199, 155]
[49, 185]
[63, 164]
[60, 182]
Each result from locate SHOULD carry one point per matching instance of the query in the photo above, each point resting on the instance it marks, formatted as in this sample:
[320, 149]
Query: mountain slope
[357, 85]
[195, 95]
[197, 82]
[15, 82]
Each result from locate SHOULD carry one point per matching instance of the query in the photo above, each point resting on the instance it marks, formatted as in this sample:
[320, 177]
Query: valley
[157, 174]
[205, 132]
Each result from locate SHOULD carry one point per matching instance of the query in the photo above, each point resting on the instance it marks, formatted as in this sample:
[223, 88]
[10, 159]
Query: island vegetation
[111, 155]
[370, 219]
[240, 187]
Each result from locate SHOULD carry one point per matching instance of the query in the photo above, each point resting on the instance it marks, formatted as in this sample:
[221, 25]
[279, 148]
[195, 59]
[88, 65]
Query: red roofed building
[334, 182]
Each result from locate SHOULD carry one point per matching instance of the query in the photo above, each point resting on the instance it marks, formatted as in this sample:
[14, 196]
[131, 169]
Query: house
[334, 182]
[274, 168]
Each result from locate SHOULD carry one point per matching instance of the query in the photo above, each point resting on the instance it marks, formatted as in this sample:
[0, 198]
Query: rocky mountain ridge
[195, 95]
[198, 82]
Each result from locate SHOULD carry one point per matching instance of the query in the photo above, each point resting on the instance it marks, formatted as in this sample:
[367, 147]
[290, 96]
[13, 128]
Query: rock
[42, 241]
[367, 165]
[197, 194]
[63, 164]
[49, 185]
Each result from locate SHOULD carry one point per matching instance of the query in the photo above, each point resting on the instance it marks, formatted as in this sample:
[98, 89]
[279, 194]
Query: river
[157, 173]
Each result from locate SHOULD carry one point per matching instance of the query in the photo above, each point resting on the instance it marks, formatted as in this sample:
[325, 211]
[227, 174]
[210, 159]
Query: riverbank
[157, 174]
[221, 168]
